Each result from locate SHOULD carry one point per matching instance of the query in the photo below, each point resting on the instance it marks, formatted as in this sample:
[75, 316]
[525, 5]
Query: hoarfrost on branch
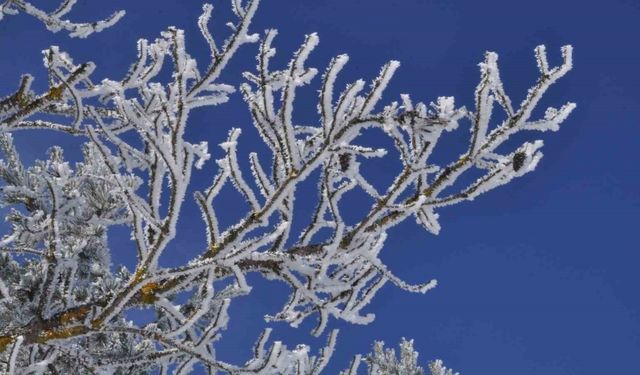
[53, 20]
[62, 309]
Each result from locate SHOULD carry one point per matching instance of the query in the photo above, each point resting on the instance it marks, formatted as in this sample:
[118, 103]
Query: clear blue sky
[537, 277]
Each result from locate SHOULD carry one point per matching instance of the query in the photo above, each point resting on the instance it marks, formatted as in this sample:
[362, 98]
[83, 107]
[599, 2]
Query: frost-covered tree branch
[62, 308]
[54, 20]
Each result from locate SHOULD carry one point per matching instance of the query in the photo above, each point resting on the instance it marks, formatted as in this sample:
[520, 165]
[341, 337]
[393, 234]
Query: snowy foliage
[385, 361]
[62, 309]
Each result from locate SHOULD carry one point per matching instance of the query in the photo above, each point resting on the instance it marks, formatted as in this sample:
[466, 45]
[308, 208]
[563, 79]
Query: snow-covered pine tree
[385, 361]
[61, 306]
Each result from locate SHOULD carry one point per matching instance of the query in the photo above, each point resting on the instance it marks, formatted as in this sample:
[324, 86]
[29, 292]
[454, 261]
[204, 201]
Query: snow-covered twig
[54, 20]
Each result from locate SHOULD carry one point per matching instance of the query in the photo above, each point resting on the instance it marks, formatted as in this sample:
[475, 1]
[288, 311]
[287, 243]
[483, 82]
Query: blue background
[537, 277]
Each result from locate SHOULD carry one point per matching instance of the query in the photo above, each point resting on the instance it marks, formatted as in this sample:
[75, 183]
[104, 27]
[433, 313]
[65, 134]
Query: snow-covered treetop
[62, 307]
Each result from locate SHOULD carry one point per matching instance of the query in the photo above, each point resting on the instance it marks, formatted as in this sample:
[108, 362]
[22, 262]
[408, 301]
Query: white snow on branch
[137, 170]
